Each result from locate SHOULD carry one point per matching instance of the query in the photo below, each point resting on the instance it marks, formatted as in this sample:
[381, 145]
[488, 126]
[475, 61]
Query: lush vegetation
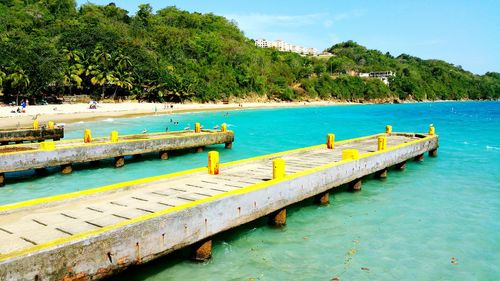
[51, 48]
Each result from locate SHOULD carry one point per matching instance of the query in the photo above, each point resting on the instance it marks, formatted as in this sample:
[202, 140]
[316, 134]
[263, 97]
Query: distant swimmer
[166, 129]
[171, 120]
[144, 131]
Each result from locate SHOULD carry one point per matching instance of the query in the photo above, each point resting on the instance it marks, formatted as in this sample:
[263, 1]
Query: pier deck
[22, 157]
[93, 233]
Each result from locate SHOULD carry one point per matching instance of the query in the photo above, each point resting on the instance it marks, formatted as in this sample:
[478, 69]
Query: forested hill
[51, 47]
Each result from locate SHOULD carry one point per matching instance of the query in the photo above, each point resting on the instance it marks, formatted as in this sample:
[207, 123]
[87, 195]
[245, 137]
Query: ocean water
[437, 220]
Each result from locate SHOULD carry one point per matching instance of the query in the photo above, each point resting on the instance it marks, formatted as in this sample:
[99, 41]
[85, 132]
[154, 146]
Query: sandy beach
[68, 113]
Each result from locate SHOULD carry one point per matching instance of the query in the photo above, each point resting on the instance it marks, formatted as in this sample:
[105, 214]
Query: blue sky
[463, 32]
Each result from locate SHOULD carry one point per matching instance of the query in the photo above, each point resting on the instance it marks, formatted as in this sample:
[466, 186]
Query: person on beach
[23, 106]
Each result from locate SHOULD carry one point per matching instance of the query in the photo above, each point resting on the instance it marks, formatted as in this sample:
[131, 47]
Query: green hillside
[51, 47]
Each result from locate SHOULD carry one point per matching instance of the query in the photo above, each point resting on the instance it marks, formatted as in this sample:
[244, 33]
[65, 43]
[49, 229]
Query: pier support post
[401, 166]
[382, 143]
[202, 251]
[228, 145]
[322, 198]
[87, 136]
[433, 153]
[66, 169]
[382, 174]
[330, 141]
[419, 158]
[163, 155]
[355, 185]
[213, 163]
[388, 129]
[279, 170]
[2, 179]
[119, 161]
[278, 218]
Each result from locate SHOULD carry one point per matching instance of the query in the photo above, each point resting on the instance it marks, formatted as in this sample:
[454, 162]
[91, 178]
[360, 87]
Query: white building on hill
[283, 46]
[382, 75]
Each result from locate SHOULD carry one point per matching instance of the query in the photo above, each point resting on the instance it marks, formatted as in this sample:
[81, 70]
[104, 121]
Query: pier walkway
[94, 233]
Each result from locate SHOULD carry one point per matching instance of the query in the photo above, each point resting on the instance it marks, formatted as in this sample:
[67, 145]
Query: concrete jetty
[64, 153]
[34, 133]
[94, 233]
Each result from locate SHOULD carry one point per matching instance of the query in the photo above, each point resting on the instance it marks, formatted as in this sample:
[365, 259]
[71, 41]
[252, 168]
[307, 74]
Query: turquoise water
[410, 226]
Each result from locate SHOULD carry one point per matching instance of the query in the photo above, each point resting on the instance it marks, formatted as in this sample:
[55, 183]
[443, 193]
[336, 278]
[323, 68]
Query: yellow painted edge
[80, 144]
[247, 189]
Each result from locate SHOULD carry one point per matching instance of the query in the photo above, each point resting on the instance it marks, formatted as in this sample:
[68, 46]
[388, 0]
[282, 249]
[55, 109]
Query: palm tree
[99, 69]
[19, 80]
[123, 77]
[123, 81]
[73, 74]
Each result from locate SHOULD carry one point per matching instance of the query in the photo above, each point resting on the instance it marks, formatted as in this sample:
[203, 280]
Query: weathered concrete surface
[93, 235]
[31, 156]
[27, 134]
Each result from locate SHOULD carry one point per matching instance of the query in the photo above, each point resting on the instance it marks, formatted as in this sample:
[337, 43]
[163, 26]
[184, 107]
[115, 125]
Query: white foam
[488, 147]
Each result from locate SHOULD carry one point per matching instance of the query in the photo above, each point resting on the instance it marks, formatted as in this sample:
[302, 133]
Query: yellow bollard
[330, 141]
[278, 168]
[223, 128]
[114, 136]
[197, 127]
[51, 125]
[388, 129]
[87, 136]
[432, 130]
[382, 143]
[35, 125]
[350, 154]
[213, 163]
[47, 145]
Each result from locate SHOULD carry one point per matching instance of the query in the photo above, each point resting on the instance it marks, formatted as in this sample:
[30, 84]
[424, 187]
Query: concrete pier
[94, 233]
[64, 153]
[15, 135]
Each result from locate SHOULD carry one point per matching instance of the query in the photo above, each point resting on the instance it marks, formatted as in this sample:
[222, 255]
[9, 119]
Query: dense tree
[53, 47]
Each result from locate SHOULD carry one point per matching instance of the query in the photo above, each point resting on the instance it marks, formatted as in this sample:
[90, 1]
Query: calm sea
[438, 220]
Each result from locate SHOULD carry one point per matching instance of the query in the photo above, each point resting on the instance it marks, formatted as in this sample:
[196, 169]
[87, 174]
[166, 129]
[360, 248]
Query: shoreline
[72, 113]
